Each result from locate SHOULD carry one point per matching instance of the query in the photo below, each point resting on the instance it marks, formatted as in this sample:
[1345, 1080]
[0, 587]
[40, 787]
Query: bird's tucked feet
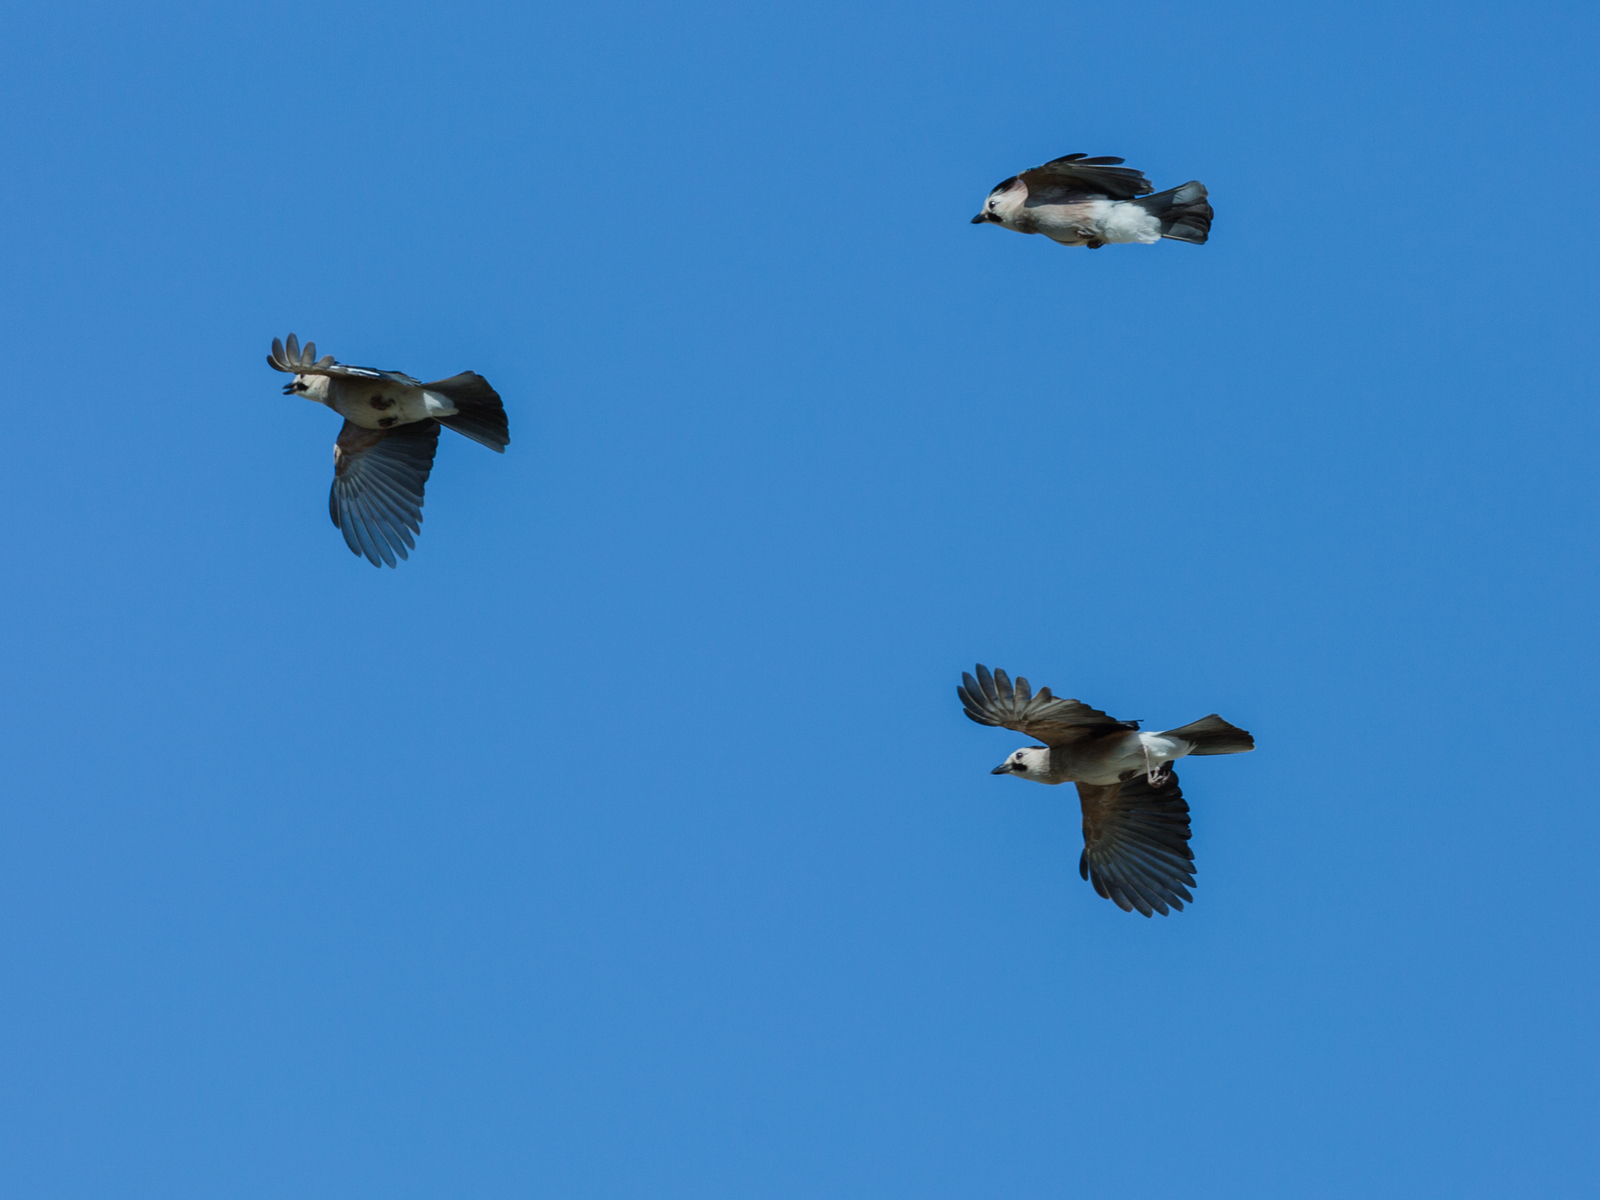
[1094, 244]
[1157, 773]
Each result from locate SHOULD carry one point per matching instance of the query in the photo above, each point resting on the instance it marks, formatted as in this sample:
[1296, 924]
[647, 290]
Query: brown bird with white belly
[1083, 201]
[1135, 820]
[385, 451]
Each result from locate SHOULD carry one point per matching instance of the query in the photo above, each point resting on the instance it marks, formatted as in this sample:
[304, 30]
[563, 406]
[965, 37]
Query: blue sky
[629, 840]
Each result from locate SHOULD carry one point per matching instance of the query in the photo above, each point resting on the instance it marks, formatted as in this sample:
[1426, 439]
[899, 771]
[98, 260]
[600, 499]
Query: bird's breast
[1070, 224]
[376, 404]
[1109, 760]
[1102, 762]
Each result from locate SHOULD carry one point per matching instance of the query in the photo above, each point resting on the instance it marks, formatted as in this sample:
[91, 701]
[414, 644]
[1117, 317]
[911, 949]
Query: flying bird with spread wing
[1083, 201]
[384, 453]
[1135, 820]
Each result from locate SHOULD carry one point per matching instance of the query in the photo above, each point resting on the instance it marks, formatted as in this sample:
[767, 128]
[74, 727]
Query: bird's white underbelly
[1163, 747]
[1144, 753]
[380, 405]
[1100, 220]
[1121, 221]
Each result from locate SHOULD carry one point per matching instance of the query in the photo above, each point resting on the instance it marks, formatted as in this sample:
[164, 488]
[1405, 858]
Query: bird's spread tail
[1213, 735]
[1184, 214]
[479, 414]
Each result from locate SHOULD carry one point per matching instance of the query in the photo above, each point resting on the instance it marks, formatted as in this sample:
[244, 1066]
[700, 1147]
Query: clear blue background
[629, 840]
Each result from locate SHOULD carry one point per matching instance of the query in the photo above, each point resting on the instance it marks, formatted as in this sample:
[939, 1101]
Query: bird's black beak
[288, 389]
[1003, 769]
[981, 219]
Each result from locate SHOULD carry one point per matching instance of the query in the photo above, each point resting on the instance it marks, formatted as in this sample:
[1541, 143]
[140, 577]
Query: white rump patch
[437, 405]
[1163, 747]
[1121, 221]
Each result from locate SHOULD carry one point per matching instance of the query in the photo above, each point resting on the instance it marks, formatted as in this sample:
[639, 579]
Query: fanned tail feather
[1184, 212]
[480, 415]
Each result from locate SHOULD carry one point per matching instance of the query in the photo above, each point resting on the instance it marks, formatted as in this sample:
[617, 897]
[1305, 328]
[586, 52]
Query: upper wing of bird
[1078, 175]
[1136, 843]
[294, 362]
[378, 477]
[992, 700]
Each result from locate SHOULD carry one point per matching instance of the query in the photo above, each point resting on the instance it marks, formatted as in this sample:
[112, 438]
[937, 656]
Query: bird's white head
[312, 387]
[290, 358]
[1031, 762]
[1003, 203]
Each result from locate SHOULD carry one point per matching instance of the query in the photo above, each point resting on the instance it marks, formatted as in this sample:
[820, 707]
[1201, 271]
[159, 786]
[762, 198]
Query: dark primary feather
[1136, 844]
[378, 479]
[1076, 174]
[291, 360]
[993, 700]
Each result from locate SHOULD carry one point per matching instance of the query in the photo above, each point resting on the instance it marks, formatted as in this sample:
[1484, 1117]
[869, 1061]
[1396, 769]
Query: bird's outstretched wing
[992, 700]
[1136, 844]
[378, 477]
[293, 361]
[1079, 175]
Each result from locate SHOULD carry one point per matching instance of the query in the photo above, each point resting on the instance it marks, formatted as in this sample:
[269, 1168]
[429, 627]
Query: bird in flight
[384, 453]
[1135, 821]
[1082, 201]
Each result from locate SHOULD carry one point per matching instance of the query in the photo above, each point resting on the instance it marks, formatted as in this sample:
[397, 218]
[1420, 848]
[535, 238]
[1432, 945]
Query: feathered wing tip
[378, 481]
[996, 688]
[292, 361]
[1079, 172]
[1136, 844]
[992, 699]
